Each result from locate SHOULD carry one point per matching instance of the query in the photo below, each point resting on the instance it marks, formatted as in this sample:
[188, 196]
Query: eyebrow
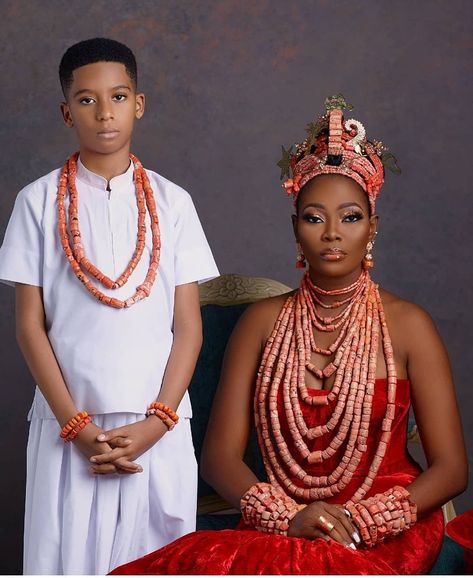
[119, 87]
[342, 206]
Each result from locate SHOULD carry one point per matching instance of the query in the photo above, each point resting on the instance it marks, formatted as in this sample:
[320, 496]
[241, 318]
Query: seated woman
[327, 374]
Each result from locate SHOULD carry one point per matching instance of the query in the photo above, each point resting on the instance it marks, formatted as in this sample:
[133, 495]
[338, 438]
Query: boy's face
[102, 105]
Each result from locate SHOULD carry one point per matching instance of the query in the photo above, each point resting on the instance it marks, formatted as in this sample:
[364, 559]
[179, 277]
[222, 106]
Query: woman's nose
[331, 233]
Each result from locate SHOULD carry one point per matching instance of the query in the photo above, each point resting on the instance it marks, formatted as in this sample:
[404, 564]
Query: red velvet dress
[246, 551]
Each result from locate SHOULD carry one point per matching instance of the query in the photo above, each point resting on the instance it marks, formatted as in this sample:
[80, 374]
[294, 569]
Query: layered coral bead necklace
[75, 253]
[287, 357]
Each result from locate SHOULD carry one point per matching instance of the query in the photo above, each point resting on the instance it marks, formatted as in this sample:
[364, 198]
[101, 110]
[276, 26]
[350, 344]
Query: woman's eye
[119, 97]
[86, 100]
[312, 218]
[352, 217]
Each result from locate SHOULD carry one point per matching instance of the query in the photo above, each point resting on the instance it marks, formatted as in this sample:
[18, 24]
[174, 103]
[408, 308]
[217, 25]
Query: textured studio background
[227, 83]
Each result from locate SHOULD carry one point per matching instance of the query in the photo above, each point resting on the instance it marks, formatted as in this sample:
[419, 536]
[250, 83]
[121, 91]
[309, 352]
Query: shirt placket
[111, 209]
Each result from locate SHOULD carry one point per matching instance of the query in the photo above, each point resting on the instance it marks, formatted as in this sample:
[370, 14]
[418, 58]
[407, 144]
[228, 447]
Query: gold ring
[325, 524]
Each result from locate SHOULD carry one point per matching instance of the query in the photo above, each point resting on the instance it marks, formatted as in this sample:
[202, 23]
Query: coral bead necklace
[287, 357]
[75, 254]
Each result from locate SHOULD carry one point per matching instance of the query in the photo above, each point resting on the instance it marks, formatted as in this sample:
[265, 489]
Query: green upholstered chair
[222, 301]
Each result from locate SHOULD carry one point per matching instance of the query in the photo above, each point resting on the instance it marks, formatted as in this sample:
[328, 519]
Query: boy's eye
[311, 218]
[86, 100]
[119, 97]
[352, 217]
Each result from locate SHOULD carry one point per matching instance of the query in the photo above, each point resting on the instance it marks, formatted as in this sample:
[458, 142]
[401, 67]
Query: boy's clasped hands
[114, 451]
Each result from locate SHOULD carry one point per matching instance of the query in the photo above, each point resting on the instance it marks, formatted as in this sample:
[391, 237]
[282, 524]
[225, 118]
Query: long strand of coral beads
[76, 255]
[286, 358]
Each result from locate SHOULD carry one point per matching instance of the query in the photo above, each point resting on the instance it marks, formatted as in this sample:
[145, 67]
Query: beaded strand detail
[287, 356]
[75, 253]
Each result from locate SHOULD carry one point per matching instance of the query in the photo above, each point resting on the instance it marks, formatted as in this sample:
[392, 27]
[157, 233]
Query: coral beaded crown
[335, 146]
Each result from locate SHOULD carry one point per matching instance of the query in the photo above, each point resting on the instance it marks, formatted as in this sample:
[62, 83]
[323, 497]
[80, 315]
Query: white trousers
[78, 523]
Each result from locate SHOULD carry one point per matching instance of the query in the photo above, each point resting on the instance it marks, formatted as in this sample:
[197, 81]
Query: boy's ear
[66, 115]
[140, 105]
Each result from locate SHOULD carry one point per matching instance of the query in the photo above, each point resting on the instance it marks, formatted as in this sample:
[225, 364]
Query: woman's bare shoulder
[262, 315]
[405, 315]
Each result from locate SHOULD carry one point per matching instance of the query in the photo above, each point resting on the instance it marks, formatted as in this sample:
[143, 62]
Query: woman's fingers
[335, 529]
[348, 524]
[320, 534]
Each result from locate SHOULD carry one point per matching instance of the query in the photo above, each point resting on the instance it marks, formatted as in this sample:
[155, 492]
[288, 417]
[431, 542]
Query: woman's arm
[231, 419]
[436, 412]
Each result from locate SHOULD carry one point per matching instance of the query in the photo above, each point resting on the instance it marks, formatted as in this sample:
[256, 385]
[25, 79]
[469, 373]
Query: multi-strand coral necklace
[75, 253]
[287, 357]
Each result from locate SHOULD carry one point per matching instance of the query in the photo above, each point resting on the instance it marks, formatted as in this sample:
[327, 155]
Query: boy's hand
[87, 444]
[137, 439]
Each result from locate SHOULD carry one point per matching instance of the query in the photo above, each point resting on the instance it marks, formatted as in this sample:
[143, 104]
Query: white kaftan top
[113, 360]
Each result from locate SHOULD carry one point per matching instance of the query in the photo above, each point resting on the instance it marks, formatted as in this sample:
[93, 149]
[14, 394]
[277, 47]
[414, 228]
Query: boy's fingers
[103, 469]
[107, 457]
[120, 442]
[108, 435]
[129, 466]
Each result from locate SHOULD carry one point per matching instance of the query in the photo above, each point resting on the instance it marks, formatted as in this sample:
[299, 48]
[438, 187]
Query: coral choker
[75, 254]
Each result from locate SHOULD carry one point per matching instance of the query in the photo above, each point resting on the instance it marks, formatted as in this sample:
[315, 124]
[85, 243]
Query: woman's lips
[332, 254]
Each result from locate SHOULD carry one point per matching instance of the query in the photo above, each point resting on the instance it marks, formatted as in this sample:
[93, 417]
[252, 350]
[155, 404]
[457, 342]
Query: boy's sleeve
[193, 259]
[22, 251]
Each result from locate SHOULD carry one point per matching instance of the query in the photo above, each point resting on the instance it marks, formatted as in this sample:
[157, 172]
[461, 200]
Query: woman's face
[333, 227]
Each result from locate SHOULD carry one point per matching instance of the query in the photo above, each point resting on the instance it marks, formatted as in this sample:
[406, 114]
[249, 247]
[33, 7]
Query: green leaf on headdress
[337, 101]
[285, 163]
[313, 130]
[390, 162]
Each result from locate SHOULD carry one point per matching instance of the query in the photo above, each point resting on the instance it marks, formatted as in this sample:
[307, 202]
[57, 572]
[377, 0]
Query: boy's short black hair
[95, 50]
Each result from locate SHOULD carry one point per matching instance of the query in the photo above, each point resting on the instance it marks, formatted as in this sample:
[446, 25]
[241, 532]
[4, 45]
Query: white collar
[123, 182]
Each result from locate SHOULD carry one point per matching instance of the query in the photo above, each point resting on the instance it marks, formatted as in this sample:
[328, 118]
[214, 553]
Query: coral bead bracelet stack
[168, 416]
[267, 509]
[75, 425]
[383, 515]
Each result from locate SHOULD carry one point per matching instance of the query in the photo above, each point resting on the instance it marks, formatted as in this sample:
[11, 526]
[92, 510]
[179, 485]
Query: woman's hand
[129, 441]
[327, 521]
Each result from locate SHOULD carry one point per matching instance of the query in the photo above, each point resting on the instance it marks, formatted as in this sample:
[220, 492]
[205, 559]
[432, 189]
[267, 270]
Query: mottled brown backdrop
[227, 83]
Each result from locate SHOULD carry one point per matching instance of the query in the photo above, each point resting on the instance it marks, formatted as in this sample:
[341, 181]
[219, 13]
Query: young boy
[105, 258]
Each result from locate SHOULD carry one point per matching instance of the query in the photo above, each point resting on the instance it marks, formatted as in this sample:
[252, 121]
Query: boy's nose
[104, 114]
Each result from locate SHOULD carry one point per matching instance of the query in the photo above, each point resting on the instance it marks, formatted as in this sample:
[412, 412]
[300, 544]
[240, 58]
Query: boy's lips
[108, 133]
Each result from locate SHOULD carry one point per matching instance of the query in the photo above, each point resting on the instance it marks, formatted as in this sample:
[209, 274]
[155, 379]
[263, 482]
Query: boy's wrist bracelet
[76, 424]
[167, 415]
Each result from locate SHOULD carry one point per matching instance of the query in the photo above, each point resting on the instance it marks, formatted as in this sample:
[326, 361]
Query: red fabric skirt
[246, 551]
[252, 552]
